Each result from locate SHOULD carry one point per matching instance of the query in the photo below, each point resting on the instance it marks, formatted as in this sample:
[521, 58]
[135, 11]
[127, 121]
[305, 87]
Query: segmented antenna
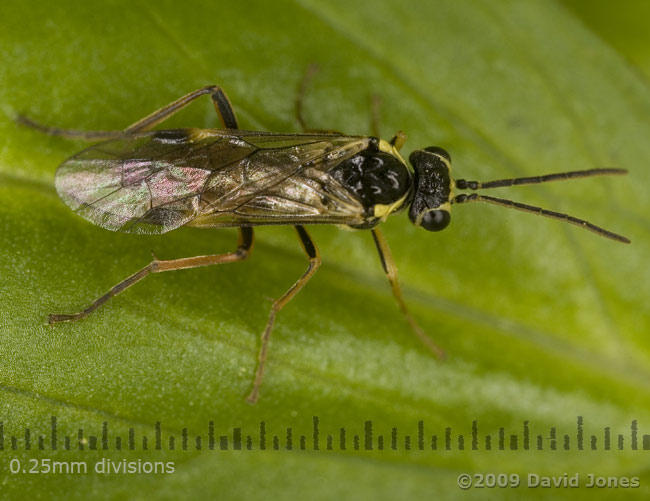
[561, 176]
[518, 181]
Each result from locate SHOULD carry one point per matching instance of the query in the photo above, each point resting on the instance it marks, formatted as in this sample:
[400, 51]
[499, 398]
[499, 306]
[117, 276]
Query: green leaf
[543, 322]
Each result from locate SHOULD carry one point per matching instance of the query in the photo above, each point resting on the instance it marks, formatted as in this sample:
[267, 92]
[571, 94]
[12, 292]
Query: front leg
[390, 269]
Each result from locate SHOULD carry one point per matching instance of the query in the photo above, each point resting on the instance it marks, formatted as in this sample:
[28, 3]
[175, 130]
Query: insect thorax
[380, 180]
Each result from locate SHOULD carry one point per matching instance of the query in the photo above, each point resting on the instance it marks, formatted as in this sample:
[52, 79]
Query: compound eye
[439, 151]
[435, 220]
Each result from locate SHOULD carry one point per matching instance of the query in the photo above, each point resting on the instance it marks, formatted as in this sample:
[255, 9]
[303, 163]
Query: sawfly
[143, 181]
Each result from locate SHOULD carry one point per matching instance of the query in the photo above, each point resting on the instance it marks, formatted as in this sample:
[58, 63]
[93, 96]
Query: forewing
[145, 183]
[157, 181]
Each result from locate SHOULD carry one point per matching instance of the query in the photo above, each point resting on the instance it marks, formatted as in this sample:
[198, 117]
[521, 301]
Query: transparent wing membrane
[154, 182]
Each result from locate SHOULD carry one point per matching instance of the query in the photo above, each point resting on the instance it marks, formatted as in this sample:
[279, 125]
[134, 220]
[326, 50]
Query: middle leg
[314, 262]
[308, 76]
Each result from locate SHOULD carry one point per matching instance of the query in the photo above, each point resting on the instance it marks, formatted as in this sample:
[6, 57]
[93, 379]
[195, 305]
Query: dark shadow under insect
[144, 181]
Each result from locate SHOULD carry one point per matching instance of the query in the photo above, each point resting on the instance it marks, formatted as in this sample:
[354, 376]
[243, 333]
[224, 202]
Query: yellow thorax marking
[386, 147]
[383, 211]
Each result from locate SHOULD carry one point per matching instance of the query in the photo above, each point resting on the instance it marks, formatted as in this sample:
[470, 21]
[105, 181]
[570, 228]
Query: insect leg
[244, 247]
[219, 98]
[398, 139]
[314, 262]
[391, 272]
[84, 135]
[375, 113]
[311, 70]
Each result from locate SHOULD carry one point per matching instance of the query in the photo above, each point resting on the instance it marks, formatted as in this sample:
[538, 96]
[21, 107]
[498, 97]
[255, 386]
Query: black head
[431, 205]
[433, 193]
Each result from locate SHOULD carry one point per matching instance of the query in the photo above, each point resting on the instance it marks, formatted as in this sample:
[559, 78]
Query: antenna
[561, 176]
